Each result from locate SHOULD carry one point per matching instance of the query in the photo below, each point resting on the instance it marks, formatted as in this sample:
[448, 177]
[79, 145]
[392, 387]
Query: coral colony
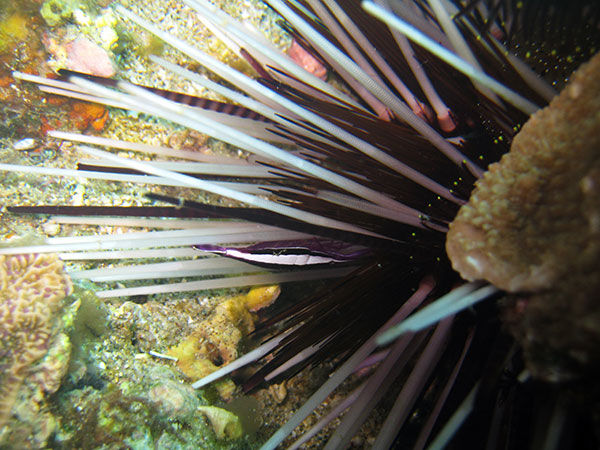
[358, 181]
[33, 289]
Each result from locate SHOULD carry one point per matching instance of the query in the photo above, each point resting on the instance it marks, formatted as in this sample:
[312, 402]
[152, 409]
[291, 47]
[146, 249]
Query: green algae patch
[56, 12]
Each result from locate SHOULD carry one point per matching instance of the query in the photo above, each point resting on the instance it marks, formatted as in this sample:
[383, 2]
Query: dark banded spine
[185, 99]
[209, 105]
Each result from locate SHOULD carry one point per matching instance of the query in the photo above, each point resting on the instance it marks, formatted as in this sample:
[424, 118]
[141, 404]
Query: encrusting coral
[215, 341]
[32, 346]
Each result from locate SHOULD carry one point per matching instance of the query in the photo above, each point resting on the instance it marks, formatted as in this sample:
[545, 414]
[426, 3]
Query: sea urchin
[359, 180]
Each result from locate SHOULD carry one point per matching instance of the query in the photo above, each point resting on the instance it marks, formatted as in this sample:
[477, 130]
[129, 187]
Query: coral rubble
[225, 424]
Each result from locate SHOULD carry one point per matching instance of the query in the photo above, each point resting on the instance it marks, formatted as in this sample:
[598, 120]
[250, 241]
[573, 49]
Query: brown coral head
[532, 227]
[32, 288]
